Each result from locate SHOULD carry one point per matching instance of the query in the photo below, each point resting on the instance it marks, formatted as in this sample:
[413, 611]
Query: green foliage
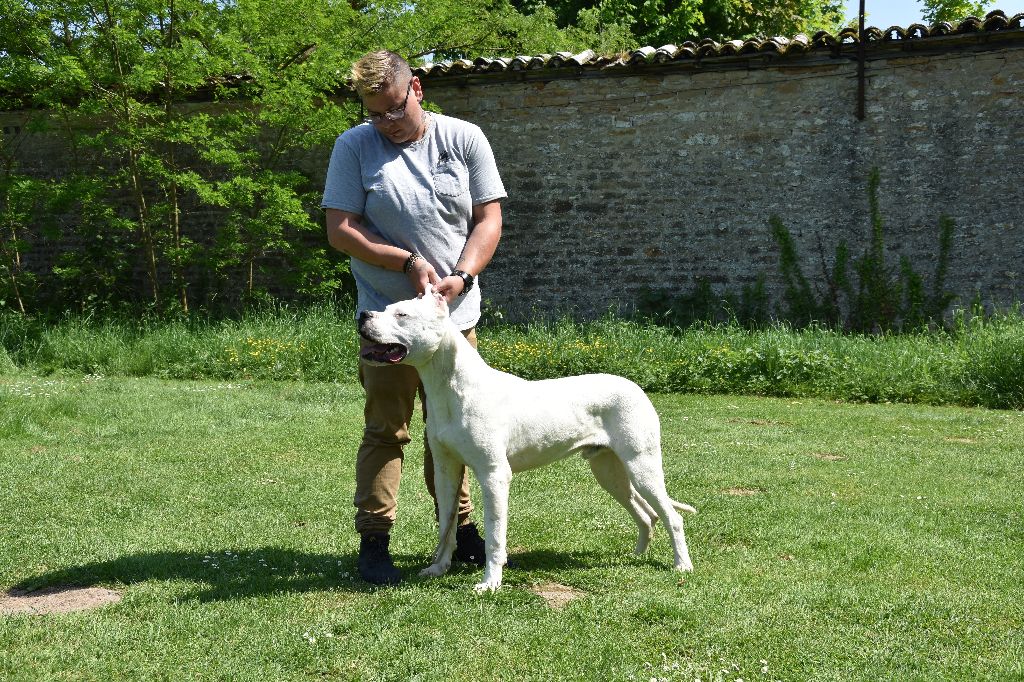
[204, 201]
[20, 199]
[875, 306]
[466, 29]
[995, 356]
[602, 29]
[143, 167]
[979, 361]
[704, 304]
[799, 297]
[628, 23]
[866, 294]
[880, 297]
[610, 26]
[935, 11]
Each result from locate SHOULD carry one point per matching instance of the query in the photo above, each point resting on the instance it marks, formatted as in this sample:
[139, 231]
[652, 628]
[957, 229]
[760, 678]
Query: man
[413, 198]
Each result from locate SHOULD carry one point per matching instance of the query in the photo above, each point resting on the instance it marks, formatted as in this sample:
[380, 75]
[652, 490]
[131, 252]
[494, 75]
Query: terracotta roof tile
[778, 46]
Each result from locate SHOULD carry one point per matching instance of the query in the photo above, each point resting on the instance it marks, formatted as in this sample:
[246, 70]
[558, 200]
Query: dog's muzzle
[382, 353]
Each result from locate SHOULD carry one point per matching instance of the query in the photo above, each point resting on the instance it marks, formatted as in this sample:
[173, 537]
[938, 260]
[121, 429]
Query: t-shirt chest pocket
[450, 178]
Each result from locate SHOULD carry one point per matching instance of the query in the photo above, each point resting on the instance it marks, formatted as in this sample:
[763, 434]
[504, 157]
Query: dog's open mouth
[388, 353]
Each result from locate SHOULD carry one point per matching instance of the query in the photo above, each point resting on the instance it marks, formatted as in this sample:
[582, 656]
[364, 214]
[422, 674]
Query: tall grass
[314, 344]
[979, 362]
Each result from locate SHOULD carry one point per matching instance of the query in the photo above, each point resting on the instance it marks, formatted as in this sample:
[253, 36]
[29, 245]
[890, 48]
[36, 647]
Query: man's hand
[450, 287]
[421, 274]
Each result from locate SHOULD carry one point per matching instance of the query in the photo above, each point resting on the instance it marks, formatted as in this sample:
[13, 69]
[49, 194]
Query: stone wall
[660, 176]
[659, 171]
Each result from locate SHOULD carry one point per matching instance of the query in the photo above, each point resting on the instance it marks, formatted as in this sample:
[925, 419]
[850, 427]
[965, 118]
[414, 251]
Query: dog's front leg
[494, 484]
[447, 479]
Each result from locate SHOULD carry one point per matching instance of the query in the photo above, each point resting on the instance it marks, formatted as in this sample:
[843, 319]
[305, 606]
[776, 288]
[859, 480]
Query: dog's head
[405, 332]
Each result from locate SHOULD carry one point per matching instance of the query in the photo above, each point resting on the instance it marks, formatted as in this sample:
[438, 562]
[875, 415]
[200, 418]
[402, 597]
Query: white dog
[498, 424]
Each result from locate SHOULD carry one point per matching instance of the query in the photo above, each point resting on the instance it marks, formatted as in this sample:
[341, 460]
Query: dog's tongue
[381, 352]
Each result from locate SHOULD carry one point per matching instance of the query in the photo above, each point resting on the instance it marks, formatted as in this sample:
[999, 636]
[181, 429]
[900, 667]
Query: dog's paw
[435, 570]
[491, 581]
[684, 566]
[643, 541]
[487, 586]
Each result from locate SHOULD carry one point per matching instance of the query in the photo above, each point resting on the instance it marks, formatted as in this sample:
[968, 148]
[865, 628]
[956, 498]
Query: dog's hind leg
[648, 478]
[447, 479]
[611, 474]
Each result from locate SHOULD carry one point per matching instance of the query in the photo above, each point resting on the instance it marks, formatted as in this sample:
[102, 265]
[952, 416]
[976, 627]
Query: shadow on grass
[226, 574]
[551, 560]
[237, 574]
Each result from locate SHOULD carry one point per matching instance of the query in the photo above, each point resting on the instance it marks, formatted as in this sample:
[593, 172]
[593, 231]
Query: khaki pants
[390, 396]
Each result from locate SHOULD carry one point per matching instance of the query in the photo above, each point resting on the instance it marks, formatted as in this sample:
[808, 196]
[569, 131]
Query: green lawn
[834, 542]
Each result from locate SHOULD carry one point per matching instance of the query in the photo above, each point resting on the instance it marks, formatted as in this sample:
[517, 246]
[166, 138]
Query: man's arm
[345, 232]
[480, 247]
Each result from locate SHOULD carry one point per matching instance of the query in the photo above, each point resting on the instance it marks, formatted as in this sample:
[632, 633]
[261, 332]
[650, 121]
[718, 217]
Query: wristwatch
[467, 280]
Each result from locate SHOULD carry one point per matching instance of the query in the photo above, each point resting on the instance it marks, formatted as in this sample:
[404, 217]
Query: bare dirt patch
[828, 456]
[556, 595]
[56, 600]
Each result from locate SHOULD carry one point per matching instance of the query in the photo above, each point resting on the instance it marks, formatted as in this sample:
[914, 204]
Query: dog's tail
[683, 507]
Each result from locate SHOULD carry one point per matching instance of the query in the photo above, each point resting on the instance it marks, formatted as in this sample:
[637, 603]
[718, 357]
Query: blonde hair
[376, 71]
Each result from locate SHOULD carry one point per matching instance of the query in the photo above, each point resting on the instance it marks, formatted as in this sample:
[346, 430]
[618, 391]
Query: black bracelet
[413, 257]
[467, 280]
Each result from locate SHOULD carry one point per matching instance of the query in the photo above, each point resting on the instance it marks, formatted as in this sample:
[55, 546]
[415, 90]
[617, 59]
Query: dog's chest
[456, 424]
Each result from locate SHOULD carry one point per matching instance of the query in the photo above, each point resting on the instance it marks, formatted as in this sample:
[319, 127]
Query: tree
[935, 11]
[181, 123]
[660, 22]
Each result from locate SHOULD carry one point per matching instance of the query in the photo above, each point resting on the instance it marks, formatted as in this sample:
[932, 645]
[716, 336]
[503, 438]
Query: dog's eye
[401, 315]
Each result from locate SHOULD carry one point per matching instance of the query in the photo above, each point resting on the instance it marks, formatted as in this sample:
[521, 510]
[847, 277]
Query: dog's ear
[442, 303]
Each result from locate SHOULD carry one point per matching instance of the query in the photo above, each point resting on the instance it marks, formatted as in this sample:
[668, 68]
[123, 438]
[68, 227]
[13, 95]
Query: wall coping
[995, 31]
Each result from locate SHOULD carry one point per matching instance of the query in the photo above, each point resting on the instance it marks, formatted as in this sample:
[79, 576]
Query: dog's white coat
[498, 424]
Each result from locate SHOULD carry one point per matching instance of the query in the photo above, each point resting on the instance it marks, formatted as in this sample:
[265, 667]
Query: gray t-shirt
[418, 196]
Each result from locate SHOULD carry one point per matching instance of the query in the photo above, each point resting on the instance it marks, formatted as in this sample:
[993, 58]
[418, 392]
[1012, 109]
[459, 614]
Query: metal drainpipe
[861, 59]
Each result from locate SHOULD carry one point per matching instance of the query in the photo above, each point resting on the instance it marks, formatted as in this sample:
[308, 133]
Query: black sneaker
[469, 546]
[375, 563]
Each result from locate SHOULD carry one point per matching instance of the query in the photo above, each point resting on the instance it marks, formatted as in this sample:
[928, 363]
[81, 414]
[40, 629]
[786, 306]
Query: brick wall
[663, 176]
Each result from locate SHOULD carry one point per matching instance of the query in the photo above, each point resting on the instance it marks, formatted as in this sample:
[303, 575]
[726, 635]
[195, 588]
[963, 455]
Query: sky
[886, 13]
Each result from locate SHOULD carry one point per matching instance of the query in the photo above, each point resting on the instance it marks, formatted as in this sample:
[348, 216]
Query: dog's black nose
[364, 317]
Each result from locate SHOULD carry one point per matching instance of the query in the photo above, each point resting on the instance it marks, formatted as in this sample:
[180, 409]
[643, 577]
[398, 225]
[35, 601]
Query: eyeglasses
[392, 114]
